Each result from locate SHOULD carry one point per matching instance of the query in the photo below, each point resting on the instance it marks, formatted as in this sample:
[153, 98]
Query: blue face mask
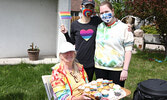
[106, 17]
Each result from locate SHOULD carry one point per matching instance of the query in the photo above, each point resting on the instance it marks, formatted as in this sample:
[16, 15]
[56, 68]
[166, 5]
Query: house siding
[27, 21]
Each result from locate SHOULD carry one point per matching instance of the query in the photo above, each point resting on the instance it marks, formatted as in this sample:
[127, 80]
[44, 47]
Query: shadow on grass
[150, 54]
[13, 96]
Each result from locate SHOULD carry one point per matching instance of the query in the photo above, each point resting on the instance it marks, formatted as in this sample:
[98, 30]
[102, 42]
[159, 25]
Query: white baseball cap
[66, 47]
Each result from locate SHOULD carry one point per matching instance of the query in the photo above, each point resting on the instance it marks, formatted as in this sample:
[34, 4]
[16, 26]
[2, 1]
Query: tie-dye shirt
[64, 84]
[83, 36]
[111, 44]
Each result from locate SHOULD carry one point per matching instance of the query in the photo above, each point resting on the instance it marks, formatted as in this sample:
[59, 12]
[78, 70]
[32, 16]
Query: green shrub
[148, 29]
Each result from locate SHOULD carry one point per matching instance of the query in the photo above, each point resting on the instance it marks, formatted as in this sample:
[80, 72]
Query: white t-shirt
[111, 44]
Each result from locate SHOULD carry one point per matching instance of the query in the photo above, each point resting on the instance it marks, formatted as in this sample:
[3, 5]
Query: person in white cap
[68, 75]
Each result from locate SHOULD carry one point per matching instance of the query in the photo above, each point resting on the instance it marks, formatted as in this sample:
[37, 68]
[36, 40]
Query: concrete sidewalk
[42, 60]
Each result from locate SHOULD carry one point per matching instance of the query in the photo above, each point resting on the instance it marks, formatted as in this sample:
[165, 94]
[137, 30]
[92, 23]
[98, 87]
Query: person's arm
[59, 87]
[65, 32]
[128, 44]
[99, 20]
[124, 73]
[68, 38]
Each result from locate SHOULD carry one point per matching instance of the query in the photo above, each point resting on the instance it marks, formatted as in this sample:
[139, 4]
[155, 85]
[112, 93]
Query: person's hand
[63, 29]
[129, 27]
[124, 75]
[82, 97]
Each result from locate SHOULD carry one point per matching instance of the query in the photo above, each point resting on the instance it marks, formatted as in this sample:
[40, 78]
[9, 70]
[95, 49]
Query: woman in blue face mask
[113, 47]
[82, 34]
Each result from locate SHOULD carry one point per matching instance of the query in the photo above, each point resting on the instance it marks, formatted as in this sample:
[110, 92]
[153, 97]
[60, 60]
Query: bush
[148, 29]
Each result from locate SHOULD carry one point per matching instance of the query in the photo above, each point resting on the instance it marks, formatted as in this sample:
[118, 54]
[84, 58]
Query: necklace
[75, 77]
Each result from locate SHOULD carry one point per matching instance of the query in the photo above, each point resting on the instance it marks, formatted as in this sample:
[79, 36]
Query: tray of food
[104, 90]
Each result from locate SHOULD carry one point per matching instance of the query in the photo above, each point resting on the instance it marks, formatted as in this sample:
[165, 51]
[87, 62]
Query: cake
[106, 87]
[93, 82]
[105, 93]
[99, 89]
[87, 85]
[97, 95]
[93, 88]
[98, 85]
[111, 85]
[99, 82]
[117, 89]
[105, 82]
[87, 90]
[111, 95]
[110, 81]
[81, 88]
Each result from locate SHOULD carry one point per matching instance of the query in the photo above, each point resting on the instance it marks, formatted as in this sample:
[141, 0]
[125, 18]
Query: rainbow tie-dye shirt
[111, 44]
[64, 85]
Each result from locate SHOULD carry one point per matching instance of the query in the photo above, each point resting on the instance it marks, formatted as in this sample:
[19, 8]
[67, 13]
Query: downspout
[69, 22]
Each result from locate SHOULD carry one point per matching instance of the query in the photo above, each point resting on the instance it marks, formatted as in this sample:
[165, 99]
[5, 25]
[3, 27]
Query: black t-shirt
[83, 36]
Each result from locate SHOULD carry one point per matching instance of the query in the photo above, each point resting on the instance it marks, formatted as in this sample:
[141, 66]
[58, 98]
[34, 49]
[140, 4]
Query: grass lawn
[24, 82]
[141, 68]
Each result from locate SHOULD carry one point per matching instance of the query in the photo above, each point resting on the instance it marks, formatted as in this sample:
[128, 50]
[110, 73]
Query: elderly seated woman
[68, 75]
